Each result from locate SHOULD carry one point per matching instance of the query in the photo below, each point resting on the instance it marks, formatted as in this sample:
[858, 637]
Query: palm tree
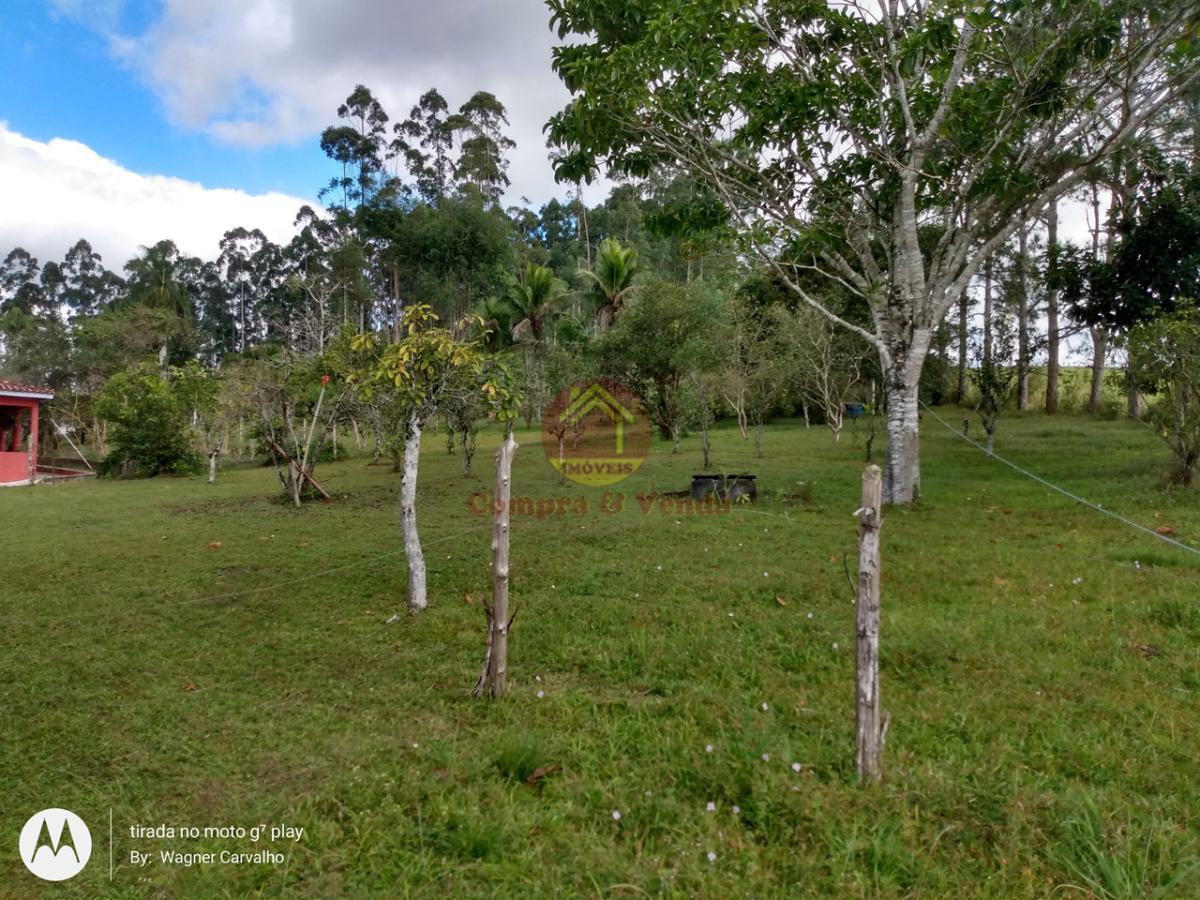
[532, 302]
[153, 280]
[496, 314]
[613, 279]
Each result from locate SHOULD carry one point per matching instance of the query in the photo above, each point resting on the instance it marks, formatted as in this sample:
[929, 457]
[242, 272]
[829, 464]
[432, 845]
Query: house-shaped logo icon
[596, 433]
[596, 397]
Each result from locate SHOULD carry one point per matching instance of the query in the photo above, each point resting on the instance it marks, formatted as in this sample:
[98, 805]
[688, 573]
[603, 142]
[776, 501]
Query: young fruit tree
[995, 377]
[202, 391]
[423, 371]
[298, 404]
[888, 146]
[826, 363]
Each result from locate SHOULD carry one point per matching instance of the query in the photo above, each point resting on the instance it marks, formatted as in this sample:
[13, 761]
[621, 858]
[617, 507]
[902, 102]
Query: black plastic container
[724, 487]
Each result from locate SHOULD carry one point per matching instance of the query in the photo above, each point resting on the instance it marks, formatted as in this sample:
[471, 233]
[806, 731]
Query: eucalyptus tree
[20, 281]
[357, 146]
[216, 308]
[88, 287]
[425, 141]
[482, 160]
[237, 263]
[35, 348]
[836, 131]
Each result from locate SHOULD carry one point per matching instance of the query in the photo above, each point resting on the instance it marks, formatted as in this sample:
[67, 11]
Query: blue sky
[127, 121]
[59, 79]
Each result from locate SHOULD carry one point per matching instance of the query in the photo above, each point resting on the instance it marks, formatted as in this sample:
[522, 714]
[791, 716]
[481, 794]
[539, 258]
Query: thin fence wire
[1166, 539]
[784, 516]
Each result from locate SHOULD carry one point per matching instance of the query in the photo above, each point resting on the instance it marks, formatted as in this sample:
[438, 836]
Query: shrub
[149, 426]
[1166, 355]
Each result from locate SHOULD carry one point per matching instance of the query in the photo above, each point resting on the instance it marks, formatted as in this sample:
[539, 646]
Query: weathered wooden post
[493, 680]
[871, 729]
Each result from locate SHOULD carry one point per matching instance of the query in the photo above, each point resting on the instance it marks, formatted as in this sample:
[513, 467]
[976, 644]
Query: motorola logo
[55, 844]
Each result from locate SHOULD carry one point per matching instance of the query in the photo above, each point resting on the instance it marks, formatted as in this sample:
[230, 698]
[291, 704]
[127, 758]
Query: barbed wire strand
[1167, 539]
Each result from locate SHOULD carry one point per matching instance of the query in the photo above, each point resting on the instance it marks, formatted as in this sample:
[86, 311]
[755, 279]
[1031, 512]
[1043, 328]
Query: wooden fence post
[493, 680]
[871, 729]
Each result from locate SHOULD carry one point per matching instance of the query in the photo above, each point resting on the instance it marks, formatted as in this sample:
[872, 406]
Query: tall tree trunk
[1023, 317]
[964, 323]
[1052, 336]
[1134, 399]
[1099, 349]
[212, 464]
[902, 379]
[987, 312]
[417, 598]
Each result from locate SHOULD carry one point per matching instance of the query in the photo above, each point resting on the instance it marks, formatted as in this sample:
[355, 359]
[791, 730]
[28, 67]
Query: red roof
[13, 387]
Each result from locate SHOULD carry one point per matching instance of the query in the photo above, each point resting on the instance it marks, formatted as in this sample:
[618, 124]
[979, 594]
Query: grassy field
[1041, 664]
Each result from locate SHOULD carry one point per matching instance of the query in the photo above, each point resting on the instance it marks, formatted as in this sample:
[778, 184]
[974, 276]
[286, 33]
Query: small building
[19, 405]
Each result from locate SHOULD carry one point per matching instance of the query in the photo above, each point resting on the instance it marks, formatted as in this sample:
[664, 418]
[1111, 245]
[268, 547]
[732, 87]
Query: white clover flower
[796, 767]
[708, 748]
[810, 615]
[766, 757]
[616, 815]
[737, 810]
[710, 806]
[765, 707]
[835, 646]
[712, 857]
[541, 694]
[765, 575]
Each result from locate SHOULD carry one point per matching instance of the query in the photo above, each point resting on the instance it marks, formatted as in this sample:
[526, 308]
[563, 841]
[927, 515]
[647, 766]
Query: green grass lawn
[1041, 663]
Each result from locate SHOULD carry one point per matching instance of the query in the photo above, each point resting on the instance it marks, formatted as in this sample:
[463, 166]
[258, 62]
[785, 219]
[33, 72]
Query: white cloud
[256, 73]
[59, 191]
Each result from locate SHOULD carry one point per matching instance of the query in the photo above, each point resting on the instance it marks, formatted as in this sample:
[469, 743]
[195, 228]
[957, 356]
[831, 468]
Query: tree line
[821, 253]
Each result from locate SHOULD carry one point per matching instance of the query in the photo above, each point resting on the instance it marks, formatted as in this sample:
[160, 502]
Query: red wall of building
[16, 466]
